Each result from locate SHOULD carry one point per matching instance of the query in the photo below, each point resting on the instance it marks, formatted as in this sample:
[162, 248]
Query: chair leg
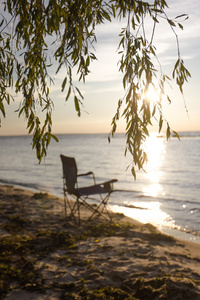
[65, 206]
[79, 217]
[68, 206]
[107, 211]
[75, 212]
[104, 202]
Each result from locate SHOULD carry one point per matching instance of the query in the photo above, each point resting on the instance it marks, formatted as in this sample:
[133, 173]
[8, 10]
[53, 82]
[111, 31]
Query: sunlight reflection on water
[155, 149]
[148, 212]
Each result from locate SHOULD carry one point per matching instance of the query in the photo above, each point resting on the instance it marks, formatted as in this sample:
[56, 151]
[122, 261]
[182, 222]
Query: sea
[165, 194]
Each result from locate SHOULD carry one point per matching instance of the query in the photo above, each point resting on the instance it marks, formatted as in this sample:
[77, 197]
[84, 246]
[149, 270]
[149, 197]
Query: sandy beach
[43, 255]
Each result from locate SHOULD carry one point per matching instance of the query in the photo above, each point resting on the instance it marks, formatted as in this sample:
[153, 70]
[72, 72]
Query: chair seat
[91, 190]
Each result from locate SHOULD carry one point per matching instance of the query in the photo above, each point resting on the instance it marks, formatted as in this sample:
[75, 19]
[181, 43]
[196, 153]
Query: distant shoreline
[195, 133]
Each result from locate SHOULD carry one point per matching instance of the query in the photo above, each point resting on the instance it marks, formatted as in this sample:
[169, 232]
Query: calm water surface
[167, 194]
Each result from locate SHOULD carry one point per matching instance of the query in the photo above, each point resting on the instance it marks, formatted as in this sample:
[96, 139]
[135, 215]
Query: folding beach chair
[83, 194]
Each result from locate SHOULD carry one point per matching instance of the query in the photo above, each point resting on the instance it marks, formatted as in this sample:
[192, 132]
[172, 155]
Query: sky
[103, 87]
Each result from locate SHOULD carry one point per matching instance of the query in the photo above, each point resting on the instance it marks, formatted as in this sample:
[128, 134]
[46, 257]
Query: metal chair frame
[83, 194]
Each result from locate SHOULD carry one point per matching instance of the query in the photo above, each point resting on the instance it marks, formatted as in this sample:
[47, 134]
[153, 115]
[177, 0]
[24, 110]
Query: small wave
[22, 184]
[196, 209]
[134, 206]
[180, 201]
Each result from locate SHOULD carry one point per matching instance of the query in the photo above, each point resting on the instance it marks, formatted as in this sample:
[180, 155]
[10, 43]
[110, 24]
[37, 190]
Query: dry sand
[43, 255]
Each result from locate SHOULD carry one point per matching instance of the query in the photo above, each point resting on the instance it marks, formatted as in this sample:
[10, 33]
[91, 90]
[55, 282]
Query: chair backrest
[69, 172]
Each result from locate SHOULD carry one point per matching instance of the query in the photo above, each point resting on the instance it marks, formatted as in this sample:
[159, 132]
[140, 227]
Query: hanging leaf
[68, 94]
[168, 132]
[180, 25]
[160, 123]
[133, 172]
[64, 84]
[76, 102]
[176, 134]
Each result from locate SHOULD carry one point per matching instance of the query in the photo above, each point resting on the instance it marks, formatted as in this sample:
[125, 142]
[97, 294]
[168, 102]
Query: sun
[152, 94]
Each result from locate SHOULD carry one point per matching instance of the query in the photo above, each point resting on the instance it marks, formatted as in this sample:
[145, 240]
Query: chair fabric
[83, 194]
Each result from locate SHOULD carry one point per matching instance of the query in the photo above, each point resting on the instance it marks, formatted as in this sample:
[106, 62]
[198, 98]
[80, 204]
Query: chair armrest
[110, 181]
[85, 174]
[113, 180]
[88, 173]
[108, 185]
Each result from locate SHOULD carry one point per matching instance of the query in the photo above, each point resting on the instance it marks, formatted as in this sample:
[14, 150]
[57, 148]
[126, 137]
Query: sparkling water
[166, 195]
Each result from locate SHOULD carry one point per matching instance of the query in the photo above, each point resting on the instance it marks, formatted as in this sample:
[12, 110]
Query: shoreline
[174, 232]
[46, 256]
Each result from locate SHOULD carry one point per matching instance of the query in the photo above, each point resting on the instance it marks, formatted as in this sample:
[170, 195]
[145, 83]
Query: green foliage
[31, 30]
[139, 73]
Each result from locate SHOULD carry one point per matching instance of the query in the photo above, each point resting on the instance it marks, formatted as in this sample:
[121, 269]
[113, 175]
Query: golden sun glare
[152, 94]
